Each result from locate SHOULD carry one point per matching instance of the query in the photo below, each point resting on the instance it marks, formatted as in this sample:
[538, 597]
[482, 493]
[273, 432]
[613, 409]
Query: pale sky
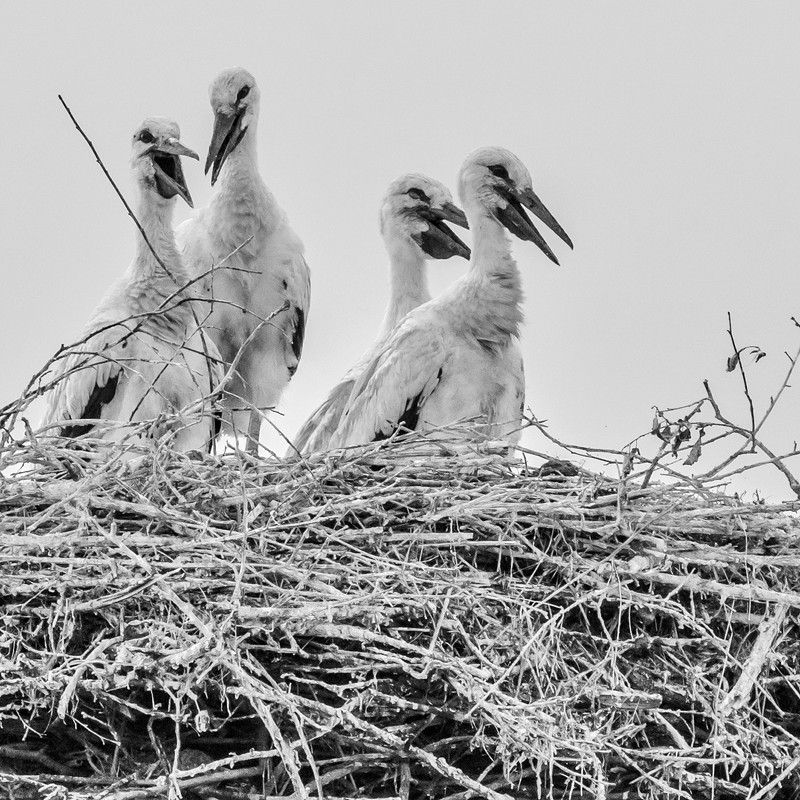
[664, 138]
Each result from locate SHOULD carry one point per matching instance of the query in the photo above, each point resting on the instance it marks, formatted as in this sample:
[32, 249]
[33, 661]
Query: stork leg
[253, 432]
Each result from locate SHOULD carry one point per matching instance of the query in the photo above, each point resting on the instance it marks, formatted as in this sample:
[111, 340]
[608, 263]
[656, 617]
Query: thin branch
[116, 188]
[744, 381]
[794, 484]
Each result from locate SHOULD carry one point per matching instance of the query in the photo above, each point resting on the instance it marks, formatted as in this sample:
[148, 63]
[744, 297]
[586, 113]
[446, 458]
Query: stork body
[413, 229]
[457, 357]
[142, 357]
[252, 262]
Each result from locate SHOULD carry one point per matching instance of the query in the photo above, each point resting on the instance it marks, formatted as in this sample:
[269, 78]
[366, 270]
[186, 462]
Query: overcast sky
[664, 137]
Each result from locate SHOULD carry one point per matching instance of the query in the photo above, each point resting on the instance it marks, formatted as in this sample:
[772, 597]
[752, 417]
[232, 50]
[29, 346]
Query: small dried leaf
[627, 464]
[695, 452]
[759, 355]
[682, 434]
[733, 362]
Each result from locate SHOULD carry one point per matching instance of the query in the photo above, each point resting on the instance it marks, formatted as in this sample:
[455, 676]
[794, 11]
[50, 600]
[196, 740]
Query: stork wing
[86, 381]
[317, 430]
[298, 293]
[394, 387]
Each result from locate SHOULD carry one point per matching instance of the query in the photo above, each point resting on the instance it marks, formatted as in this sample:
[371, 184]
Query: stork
[457, 356]
[143, 356]
[412, 224]
[252, 262]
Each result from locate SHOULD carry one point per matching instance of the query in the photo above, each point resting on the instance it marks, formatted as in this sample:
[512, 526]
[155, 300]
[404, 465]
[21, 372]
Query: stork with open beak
[266, 270]
[457, 356]
[142, 356]
[414, 217]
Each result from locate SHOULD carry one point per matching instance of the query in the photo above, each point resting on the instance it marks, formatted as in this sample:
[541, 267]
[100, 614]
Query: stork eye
[500, 171]
[418, 194]
[146, 137]
[243, 92]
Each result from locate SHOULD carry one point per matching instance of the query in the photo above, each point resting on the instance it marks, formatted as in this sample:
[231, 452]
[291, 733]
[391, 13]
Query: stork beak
[228, 132]
[438, 241]
[531, 201]
[452, 213]
[172, 145]
[514, 218]
[168, 170]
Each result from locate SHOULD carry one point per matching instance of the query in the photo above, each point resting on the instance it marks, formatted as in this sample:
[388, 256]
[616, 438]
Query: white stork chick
[413, 228]
[267, 270]
[457, 356]
[142, 357]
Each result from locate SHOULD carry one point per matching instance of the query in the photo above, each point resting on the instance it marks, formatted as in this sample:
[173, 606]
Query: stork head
[416, 207]
[156, 158]
[496, 181]
[234, 100]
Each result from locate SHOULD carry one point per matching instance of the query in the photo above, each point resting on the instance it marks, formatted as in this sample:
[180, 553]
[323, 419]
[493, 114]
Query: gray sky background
[664, 138]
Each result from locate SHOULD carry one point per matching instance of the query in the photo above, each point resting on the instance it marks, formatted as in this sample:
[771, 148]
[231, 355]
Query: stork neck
[493, 282]
[491, 247]
[155, 217]
[408, 282]
[241, 166]
[242, 202]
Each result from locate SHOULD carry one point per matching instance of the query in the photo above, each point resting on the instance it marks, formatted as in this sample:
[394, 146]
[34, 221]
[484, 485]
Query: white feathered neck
[408, 280]
[155, 216]
[242, 206]
[492, 288]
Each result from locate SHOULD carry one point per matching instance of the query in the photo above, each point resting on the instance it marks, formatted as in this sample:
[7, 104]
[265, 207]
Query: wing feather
[316, 432]
[298, 293]
[394, 387]
[85, 383]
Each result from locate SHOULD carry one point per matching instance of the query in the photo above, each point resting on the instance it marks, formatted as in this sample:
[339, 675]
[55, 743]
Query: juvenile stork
[413, 228]
[457, 356]
[142, 356]
[244, 286]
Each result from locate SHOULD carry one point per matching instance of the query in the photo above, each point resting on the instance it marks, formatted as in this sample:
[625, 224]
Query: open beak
[228, 132]
[531, 201]
[513, 216]
[439, 241]
[169, 172]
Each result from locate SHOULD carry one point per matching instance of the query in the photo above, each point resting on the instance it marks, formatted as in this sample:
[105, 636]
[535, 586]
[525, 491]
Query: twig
[739, 695]
[744, 382]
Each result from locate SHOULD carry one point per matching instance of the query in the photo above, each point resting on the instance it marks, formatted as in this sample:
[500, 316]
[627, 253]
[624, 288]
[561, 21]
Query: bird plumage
[412, 224]
[251, 259]
[457, 356]
[142, 357]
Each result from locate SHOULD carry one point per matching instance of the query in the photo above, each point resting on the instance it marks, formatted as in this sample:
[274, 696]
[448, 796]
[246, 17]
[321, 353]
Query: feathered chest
[486, 311]
[149, 306]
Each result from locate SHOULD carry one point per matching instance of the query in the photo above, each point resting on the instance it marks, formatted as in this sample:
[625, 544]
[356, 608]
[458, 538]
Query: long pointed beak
[166, 158]
[172, 145]
[438, 241]
[228, 132]
[452, 213]
[529, 199]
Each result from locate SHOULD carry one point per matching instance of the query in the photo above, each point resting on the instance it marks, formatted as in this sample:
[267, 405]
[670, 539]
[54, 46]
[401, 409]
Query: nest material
[416, 621]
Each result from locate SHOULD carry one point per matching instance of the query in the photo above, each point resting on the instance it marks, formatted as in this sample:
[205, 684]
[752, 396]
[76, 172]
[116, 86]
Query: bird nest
[416, 620]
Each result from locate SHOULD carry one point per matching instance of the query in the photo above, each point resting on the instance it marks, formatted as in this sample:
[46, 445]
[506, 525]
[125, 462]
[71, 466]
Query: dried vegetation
[415, 621]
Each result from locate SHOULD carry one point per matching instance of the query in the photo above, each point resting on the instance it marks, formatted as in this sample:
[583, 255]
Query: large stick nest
[416, 621]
